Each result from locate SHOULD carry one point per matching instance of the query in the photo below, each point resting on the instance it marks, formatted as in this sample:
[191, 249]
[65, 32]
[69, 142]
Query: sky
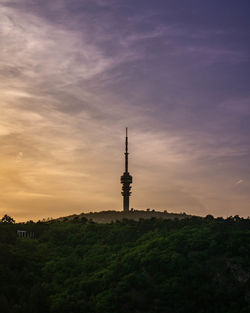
[75, 73]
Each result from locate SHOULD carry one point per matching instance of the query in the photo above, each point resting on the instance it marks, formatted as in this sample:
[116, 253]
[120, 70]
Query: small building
[25, 234]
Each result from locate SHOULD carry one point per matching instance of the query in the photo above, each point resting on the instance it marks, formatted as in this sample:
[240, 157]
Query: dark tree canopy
[150, 266]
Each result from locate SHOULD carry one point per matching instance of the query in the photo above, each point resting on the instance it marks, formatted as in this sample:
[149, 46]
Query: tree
[209, 217]
[7, 219]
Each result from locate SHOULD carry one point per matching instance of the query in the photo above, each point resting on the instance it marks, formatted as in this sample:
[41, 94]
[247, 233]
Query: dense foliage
[190, 265]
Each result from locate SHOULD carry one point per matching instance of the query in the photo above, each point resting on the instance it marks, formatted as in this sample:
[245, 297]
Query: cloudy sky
[75, 73]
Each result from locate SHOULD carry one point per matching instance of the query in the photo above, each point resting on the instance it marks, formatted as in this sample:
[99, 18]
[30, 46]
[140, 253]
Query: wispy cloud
[239, 182]
[74, 74]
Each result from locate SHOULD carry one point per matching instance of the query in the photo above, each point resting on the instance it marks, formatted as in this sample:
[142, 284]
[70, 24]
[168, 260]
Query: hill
[113, 216]
[151, 265]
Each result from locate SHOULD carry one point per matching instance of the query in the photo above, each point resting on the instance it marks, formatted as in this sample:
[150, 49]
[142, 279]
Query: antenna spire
[126, 151]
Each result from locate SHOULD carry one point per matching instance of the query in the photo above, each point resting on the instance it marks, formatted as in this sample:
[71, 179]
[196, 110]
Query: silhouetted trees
[176, 266]
[7, 219]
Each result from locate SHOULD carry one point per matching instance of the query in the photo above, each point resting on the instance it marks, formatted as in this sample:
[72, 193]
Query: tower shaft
[126, 152]
[126, 178]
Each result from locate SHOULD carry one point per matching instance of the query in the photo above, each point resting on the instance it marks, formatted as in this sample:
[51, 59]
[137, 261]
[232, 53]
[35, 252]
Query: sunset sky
[75, 73]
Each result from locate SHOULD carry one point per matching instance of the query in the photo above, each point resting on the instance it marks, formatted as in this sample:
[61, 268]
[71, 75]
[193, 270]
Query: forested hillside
[189, 265]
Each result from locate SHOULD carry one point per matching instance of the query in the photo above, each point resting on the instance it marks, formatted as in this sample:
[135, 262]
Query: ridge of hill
[112, 216]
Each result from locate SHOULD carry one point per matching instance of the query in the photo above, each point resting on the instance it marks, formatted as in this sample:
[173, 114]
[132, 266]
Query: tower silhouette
[126, 179]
